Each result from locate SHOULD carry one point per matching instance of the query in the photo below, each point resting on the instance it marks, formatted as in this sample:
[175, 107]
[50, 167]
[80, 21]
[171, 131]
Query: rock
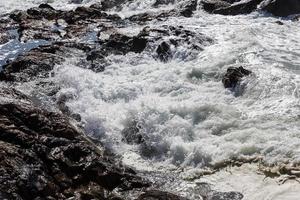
[164, 52]
[211, 5]
[226, 196]
[112, 3]
[233, 76]
[188, 8]
[44, 157]
[279, 22]
[34, 64]
[159, 195]
[131, 134]
[239, 8]
[163, 2]
[281, 8]
[230, 7]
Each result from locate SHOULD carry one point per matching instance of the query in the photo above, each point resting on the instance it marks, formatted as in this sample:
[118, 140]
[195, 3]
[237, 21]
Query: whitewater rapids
[189, 119]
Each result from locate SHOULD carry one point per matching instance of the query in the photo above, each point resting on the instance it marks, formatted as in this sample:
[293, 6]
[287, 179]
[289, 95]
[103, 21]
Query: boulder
[233, 76]
[281, 8]
[239, 8]
[164, 52]
[230, 7]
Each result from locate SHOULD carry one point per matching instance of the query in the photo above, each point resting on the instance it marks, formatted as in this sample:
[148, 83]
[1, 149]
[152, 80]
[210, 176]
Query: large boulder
[281, 8]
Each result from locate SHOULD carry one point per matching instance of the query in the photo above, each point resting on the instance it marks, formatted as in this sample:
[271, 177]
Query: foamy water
[188, 119]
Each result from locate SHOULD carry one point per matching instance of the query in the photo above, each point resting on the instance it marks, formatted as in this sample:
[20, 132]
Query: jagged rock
[281, 8]
[159, 195]
[44, 157]
[164, 52]
[233, 76]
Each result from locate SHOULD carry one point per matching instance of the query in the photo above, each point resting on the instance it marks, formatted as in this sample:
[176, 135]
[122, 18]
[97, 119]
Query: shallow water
[187, 117]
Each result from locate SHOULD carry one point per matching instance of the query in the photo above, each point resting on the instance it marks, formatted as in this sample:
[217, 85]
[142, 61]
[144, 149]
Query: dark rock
[211, 5]
[188, 8]
[164, 52]
[112, 3]
[279, 22]
[131, 134]
[34, 64]
[159, 195]
[163, 2]
[230, 7]
[226, 196]
[239, 8]
[46, 6]
[234, 76]
[44, 157]
[282, 8]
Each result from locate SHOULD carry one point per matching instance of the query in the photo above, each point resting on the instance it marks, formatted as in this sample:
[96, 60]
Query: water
[187, 117]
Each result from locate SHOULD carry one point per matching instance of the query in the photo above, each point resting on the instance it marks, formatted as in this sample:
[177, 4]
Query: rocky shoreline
[43, 154]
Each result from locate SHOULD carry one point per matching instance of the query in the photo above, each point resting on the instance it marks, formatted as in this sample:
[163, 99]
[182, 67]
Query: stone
[233, 76]
[159, 195]
[281, 8]
[164, 52]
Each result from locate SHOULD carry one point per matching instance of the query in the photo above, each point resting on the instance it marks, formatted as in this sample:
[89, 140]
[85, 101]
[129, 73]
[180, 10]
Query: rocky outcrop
[230, 7]
[233, 76]
[44, 157]
[281, 8]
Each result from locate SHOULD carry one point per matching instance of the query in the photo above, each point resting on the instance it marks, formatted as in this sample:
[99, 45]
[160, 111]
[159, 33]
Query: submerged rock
[164, 52]
[281, 8]
[233, 76]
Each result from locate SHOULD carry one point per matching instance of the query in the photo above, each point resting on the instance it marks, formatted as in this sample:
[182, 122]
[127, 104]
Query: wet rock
[112, 3]
[233, 76]
[239, 8]
[281, 8]
[131, 134]
[279, 22]
[159, 195]
[230, 7]
[34, 64]
[188, 8]
[185, 9]
[211, 5]
[164, 52]
[226, 196]
[44, 157]
[163, 2]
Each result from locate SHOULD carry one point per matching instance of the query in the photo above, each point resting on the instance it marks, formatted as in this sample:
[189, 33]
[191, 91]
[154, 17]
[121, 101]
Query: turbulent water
[189, 119]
